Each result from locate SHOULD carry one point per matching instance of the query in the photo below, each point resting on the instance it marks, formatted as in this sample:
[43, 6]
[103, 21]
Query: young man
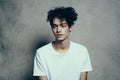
[62, 59]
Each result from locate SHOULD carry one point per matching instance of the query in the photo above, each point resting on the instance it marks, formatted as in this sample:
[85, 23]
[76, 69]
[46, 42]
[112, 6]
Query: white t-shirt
[61, 66]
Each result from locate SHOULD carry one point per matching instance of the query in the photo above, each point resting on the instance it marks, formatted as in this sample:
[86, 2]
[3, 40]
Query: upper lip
[59, 34]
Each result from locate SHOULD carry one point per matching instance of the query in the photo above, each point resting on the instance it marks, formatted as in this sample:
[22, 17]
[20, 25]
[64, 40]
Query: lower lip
[58, 36]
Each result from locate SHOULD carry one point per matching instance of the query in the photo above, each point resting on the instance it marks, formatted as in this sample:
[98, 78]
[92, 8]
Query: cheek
[67, 32]
[53, 30]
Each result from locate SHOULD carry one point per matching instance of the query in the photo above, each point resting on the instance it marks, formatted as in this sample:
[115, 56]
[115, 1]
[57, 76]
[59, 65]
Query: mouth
[58, 35]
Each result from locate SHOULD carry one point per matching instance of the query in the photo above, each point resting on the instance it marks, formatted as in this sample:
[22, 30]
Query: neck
[61, 45]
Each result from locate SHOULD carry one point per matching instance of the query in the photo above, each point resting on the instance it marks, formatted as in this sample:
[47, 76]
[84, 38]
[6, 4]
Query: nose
[58, 29]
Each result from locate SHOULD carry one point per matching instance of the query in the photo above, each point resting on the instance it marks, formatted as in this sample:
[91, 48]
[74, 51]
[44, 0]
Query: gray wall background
[23, 28]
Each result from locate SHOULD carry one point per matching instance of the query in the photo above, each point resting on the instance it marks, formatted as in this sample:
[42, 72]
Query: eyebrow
[58, 24]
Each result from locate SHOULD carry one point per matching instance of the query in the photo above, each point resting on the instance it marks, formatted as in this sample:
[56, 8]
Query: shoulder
[44, 49]
[80, 49]
[78, 46]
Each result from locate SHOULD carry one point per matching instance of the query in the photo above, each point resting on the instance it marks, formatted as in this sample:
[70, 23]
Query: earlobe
[70, 28]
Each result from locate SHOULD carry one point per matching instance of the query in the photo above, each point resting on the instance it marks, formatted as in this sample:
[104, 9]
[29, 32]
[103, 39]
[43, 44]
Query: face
[60, 29]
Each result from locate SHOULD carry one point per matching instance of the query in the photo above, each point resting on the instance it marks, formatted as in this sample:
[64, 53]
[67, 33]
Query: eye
[54, 25]
[64, 25]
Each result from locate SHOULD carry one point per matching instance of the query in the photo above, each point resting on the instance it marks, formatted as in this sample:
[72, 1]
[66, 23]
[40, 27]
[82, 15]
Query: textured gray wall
[23, 29]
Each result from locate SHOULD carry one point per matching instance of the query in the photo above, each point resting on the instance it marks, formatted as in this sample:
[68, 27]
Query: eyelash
[53, 26]
[63, 25]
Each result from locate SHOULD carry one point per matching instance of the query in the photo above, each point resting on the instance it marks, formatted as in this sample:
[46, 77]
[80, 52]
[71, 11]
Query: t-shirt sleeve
[39, 66]
[87, 63]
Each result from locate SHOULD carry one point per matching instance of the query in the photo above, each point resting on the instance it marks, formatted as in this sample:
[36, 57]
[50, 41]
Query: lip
[59, 35]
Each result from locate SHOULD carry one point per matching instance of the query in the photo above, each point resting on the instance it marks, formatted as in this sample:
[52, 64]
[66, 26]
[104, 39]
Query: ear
[70, 29]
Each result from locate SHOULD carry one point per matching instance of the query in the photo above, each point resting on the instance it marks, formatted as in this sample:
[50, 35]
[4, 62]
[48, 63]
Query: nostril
[58, 31]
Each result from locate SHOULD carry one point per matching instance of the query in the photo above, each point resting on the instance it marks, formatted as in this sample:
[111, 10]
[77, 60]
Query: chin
[59, 40]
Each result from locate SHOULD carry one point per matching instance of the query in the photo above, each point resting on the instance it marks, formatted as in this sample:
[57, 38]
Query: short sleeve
[87, 63]
[39, 66]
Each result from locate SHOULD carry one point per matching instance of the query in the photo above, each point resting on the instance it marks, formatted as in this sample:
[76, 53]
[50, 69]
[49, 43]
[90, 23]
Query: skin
[61, 31]
[83, 76]
[43, 78]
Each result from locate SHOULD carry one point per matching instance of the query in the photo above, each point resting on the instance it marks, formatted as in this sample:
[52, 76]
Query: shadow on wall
[39, 43]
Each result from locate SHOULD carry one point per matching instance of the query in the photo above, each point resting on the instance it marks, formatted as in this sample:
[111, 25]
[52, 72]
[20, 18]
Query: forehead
[58, 21]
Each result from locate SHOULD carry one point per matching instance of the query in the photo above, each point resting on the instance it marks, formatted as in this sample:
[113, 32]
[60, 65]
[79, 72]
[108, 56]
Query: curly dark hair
[67, 13]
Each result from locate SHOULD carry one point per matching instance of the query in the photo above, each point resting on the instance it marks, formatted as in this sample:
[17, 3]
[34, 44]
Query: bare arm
[83, 76]
[43, 78]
